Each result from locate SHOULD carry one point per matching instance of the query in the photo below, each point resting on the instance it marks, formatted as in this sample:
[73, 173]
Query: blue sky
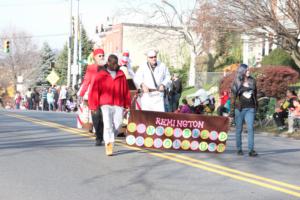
[51, 17]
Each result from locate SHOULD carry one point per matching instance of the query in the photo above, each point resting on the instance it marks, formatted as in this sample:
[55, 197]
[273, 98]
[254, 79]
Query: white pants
[153, 101]
[112, 120]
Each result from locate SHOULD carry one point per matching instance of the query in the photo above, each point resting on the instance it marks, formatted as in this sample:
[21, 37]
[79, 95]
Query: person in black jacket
[176, 89]
[243, 106]
[36, 99]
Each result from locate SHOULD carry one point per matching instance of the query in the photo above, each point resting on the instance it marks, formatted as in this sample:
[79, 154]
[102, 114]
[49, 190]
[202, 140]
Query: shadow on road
[278, 151]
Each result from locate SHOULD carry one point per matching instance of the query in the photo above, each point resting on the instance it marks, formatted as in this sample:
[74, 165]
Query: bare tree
[187, 31]
[184, 21]
[22, 60]
[276, 20]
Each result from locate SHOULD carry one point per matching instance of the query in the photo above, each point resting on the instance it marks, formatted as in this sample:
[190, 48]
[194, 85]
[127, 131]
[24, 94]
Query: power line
[36, 36]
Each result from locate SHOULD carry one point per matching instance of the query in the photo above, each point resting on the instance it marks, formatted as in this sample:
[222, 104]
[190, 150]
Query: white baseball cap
[151, 53]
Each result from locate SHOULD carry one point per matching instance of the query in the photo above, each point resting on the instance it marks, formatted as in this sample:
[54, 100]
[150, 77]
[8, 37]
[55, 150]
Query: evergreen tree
[61, 65]
[62, 58]
[47, 57]
[87, 47]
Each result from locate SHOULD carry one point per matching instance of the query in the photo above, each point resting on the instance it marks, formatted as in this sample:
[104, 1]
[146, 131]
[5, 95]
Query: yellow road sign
[10, 91]
[53, 77]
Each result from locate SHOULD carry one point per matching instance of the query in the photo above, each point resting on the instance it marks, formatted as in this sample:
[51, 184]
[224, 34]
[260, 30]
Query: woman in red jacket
[114, 96]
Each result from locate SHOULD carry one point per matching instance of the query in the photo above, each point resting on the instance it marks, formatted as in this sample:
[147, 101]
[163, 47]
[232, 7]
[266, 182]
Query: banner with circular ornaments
[177, 131]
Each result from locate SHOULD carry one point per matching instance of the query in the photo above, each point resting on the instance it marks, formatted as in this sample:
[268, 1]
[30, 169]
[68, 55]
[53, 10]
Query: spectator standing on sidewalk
[244, 105]
[50, 99]
[44, 99]
[57, 102]
[18, 99]
[36, 99]
[29, 99]
[63, 98]
[176, 89]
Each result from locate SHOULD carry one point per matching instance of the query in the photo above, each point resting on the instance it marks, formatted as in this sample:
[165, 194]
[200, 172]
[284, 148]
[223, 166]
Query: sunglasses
[152, 57]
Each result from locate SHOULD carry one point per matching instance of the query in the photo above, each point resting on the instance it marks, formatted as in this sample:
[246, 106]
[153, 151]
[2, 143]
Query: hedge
[273, 81]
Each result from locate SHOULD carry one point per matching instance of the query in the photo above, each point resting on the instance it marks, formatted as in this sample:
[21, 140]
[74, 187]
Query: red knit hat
[126, 53]
[124, 60]
[98, 51]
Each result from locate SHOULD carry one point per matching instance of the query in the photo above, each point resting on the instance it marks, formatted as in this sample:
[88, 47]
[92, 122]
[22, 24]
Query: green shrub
[273, 81]
[279, 57]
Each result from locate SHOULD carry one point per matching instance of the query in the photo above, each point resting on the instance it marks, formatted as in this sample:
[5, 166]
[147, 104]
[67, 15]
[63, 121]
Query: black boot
[98, 142]
[253, 153]
[240, 152]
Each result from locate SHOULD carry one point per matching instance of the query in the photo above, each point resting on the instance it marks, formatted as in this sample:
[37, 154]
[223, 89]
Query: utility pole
[69, 48]
[75, 69]
[79, 50]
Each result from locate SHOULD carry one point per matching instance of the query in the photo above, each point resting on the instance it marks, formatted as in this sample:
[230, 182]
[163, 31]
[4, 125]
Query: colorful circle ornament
[203, 146]
[176, 144]
[213, 135]
[195, 133]
[212, 147]
[223, 136]
[148, 142]
[204, 134]
[195, 145]
[158, 143]
[130, 140]
[177, 132]
[186, 133]
[185, 144]
[150, 130]
[167, 143]
[221, 148]
[159, 131]
[139, 141]
[131, 127]
[141, 128]
[169, 131]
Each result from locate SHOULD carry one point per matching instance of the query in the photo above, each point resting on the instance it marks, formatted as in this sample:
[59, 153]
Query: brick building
[139, 38]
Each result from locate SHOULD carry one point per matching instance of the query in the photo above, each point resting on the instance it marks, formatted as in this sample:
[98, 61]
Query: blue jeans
[175, 101]
[247, 114]
[18, 106]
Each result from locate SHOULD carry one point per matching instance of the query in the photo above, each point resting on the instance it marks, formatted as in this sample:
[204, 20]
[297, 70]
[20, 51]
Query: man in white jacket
[152, 77]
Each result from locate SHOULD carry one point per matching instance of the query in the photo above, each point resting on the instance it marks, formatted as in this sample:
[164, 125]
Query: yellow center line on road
[295, 187]
[266, 185]
[218, 169]
[52, 125]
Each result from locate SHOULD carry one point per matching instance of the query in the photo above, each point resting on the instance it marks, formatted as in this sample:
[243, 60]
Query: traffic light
[52, 65]
[6, 46]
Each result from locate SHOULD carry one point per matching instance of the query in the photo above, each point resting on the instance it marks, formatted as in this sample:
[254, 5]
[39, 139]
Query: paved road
[42, 160]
